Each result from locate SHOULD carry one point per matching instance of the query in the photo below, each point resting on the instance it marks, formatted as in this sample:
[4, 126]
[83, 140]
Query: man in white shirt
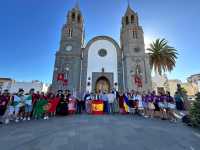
[87, 99]
[111, 99]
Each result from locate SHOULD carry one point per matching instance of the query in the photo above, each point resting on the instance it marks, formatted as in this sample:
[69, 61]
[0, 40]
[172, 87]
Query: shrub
[195, 112]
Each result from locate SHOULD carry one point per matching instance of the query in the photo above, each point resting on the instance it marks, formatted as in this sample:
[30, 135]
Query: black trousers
[179, 105]
[79, 107]
[83, 105]
[2, 111]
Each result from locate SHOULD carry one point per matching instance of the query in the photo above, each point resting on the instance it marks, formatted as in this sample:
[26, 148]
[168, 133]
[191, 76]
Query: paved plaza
[107, 132]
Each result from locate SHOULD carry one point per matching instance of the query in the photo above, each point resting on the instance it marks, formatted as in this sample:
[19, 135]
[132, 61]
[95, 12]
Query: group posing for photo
[22, 106]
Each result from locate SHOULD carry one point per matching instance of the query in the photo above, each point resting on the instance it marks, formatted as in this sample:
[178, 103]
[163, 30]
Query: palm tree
[162, 56]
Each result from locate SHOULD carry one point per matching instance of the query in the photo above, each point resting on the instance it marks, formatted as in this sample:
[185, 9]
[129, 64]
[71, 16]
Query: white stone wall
[195, 79]
[160, 81]
[173, 86]
[7, 85]
[96, 62]
[38, 86]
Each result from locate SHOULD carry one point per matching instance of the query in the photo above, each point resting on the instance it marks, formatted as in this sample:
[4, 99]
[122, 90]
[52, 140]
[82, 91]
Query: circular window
[102, 52]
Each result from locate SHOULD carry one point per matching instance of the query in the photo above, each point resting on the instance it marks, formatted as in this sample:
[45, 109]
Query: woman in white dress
[138, 98]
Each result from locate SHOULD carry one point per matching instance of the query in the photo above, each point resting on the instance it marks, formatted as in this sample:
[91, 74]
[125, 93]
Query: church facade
[102, 64]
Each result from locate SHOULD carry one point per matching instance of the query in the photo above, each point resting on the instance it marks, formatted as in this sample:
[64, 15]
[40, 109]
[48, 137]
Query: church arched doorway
[102, 84]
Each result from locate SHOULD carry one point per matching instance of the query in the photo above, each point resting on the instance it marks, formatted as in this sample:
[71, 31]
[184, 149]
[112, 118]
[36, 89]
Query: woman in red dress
[53, 101]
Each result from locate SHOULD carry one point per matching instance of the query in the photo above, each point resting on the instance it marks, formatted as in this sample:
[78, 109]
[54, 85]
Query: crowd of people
[22, 106]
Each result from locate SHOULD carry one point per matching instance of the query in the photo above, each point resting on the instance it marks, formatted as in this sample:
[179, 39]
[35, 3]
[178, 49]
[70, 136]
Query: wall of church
[96, 62]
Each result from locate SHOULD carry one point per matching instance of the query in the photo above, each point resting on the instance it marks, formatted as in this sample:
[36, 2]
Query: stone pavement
[108, 132]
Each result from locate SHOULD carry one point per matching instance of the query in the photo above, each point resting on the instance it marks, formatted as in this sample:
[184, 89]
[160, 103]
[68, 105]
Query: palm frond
[162, 56]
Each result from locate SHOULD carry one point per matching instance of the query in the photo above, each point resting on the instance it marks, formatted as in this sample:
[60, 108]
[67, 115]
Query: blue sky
[30, 31]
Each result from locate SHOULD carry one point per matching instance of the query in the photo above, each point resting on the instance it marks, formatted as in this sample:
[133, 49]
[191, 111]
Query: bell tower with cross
[69, 56]
[135, 60]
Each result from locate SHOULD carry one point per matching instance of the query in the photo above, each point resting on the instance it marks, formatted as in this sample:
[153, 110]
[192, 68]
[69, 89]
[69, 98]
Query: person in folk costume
[135, 102]
[131, 101]
[111, 99]
[140, 108]
[145, 104]
[156, 100]
[35, 98]
[116, 101]
[28, 105]
[104, 97]
[151, 106]
[128, 94]
[0, 106]
[162, 103]
[4, 102]
[40, 110]
[46, 107]
[121, 103]
[72, 104]
[4, 99]
[67, 94]
[88, 99]
[83, 102]
[38, 95]
[62, 108]
[53, 100]
[79, 103]
[179, 101]
[17, 105]
[183, 104]
[22, 108]
[171, 107]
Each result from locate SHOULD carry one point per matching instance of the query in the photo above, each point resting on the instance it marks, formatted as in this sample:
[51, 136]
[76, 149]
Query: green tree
[162, 56]
[195, 112]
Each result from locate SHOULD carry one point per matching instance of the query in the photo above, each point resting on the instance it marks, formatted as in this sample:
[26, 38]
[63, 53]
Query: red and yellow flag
[97, 107]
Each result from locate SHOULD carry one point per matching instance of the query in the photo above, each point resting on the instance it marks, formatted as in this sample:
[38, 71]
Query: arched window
[127, 21]
[79, 18]
[73, 16]
[132, 18]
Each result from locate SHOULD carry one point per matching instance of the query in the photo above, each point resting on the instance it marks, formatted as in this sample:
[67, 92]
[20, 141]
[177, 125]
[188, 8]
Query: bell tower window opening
[79, 18]
[132, 18]
[127, 21]
[73, 16]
